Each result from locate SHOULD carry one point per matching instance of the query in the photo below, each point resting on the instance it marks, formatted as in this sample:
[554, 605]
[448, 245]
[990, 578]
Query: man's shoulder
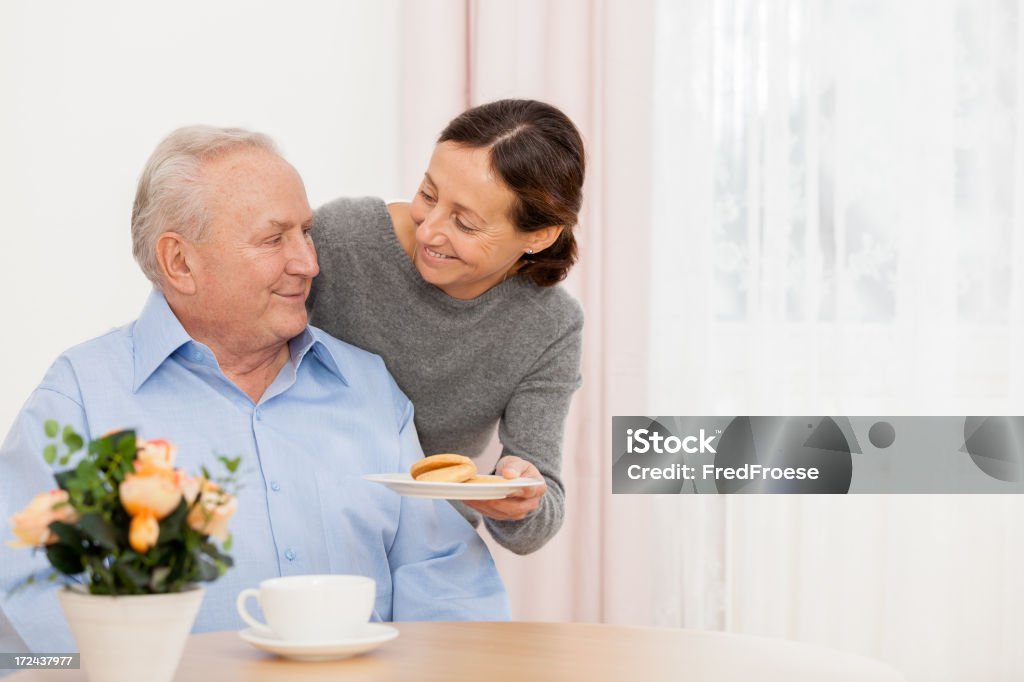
[106, 353]
[116, 341]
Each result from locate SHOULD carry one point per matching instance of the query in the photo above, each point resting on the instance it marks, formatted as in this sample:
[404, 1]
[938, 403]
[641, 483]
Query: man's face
[253, 272]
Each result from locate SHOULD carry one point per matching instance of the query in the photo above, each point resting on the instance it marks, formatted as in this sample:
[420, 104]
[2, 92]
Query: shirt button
[289, 555]
[275, 486]
[257, 415]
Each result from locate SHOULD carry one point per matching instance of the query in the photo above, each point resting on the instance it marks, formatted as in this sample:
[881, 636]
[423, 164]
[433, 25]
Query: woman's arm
[531, 428]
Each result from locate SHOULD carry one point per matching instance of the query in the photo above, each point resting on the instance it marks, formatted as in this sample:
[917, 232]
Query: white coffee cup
[312, 608]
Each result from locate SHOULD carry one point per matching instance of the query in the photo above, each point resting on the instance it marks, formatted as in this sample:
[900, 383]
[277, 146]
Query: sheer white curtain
[838, 213]
[793, 206]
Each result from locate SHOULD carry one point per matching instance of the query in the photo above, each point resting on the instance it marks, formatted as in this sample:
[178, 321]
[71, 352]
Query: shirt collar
[310, 339]
[158, 334]
[322, 351]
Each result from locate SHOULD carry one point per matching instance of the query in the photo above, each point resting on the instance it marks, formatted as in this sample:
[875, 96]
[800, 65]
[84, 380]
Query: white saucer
[372, 637]
[404, 484]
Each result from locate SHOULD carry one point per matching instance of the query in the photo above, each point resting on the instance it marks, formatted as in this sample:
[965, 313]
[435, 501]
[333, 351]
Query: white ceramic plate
[404, 484]
[372, 637]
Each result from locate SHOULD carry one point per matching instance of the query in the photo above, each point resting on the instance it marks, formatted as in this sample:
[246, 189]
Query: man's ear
[543, 238]
[173, 254]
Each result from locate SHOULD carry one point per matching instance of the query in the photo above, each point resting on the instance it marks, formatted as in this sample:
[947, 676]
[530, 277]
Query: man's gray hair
[170, 192]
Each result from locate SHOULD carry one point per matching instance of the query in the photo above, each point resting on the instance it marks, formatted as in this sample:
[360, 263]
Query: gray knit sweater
[509, 357]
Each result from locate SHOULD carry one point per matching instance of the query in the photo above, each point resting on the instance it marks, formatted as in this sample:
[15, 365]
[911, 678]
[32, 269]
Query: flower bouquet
[133, 535]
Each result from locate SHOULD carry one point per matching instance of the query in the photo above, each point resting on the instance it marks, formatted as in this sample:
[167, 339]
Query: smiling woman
[457, 291]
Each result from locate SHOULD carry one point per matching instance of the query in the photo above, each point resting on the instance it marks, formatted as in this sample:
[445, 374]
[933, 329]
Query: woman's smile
[437, 255]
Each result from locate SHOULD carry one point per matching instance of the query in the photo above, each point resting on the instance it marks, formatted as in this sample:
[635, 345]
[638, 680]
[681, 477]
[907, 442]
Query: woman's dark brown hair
[538, 153]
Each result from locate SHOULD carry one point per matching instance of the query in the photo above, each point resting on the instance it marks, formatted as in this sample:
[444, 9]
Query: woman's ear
[541, 239]
[173, 254]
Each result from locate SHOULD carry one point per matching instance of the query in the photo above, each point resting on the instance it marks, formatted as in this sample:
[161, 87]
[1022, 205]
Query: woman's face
[465, 242]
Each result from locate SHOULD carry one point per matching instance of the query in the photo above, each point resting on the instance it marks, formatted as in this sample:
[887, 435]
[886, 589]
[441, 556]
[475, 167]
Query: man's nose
[302, 258]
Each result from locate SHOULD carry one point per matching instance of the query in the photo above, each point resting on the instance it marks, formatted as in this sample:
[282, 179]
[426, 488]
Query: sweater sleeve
[341, 228]
[532, 427]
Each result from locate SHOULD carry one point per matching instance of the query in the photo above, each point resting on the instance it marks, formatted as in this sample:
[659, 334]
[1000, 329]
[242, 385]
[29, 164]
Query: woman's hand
[518, 504]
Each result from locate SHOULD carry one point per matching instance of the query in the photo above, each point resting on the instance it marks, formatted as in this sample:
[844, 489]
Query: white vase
[130, 638]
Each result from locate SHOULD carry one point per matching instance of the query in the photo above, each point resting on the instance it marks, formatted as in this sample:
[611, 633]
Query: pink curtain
[594, 60]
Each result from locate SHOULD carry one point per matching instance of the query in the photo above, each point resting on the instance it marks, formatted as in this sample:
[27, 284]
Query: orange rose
[31, 525]
[212, 512]
[157, 492]
[154, 454]
[190, 487]
[144, 532]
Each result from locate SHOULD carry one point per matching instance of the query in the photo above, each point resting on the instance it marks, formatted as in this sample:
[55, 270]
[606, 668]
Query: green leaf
[131, 576]
[121, 521]
[126, 445]
[208, 572]
[51, 428]
[123, 459]
[158, 580]
[63, 461]
[70, 437]
[210, 549]
[103, 448]
[72, 440]
[171, 527]
[65, 479]
[99, 531]
[50, 453]
[228, 543]
[65, 559]
[86, 470]
[67, 534]
[102, 578]
[205, 472]
[231, 464]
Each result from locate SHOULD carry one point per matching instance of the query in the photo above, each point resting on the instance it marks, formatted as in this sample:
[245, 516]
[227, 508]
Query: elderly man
[222, 360]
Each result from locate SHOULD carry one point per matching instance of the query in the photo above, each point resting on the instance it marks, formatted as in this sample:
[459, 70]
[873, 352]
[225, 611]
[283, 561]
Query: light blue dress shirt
[332, 414]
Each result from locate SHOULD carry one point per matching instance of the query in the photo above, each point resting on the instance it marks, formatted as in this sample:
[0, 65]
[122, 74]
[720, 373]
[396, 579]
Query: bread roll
[446, 468]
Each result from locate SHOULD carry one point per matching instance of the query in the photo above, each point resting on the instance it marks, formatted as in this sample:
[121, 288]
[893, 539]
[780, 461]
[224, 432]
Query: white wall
[90, 88]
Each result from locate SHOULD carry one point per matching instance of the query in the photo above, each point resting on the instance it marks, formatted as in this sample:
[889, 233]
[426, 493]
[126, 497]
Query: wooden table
[525, 652]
